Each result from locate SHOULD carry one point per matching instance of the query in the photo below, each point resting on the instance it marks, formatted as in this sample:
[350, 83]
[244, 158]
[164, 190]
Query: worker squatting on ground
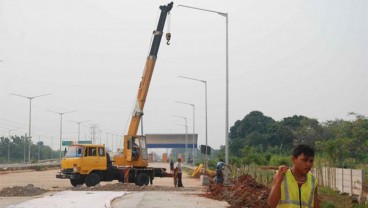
[178, 169]
[219, 169]
[295, 187]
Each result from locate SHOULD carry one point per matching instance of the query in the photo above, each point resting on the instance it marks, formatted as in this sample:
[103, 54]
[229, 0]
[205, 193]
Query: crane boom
[134, 147]
[148, 71]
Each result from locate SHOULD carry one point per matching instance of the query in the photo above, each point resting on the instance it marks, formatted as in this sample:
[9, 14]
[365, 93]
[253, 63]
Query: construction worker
[295, 187]
[178, 169]
[219, 168]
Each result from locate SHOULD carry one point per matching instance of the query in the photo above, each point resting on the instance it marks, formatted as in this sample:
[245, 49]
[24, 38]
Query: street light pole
[186, 136]
[226, 15]
[30, 119]
[193, 126]
[205, 100]
[61, 127]
[79, 123]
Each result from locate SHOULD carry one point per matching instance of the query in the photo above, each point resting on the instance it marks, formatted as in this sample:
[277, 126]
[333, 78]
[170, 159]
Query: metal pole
[205, 84]
[24, 148]
[100, 136]
[29, 130]
[61, 127]
[30, 117]
[9, 148]
[206, 119]
[61, 133]
[186, 135]
[193, 133]
[39, 147]
[193, 141]
[186, 140]
[79, 123]
[227, 98]
[226, 15]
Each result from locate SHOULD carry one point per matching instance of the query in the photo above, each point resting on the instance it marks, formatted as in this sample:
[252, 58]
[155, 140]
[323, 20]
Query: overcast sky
[286, 58]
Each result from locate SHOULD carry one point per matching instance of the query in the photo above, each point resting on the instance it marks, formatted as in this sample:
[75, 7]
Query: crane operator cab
[136, 148]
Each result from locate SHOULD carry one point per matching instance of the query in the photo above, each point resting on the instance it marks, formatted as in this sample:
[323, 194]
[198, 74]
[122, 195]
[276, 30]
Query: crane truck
[91, 163]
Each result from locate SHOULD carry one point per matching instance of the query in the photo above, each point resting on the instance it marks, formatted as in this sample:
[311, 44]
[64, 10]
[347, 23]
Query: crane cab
[134, 153]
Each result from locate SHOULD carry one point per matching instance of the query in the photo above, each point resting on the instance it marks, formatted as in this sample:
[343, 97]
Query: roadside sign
[84, 142]
[67, 143]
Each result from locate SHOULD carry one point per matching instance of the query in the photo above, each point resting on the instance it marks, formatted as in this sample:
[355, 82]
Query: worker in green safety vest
[295, 187]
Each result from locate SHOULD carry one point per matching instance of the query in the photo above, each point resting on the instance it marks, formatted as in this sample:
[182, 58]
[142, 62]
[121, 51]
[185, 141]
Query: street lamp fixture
[30, 121]
[193, 125]
[186, 134]
[205, 101]
[226, 15]
[61, 127]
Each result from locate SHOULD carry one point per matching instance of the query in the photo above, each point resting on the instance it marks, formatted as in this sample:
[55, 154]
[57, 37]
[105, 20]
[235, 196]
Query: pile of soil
[28, 190]
[243, 191]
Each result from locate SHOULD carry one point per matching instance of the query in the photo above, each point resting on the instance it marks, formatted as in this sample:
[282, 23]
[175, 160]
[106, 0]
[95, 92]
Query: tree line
[18, 147]
[259, 139]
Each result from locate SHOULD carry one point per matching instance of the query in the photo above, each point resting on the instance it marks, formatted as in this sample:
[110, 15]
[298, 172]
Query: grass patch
[330, 198]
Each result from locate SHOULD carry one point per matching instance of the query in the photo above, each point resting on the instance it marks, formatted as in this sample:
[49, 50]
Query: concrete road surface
[190, 196]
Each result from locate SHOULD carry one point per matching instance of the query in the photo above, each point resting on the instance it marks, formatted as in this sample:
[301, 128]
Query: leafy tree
[252, 130]
[337, 149]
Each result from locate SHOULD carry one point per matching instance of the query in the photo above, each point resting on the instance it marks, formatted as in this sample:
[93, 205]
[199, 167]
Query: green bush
[277, 160]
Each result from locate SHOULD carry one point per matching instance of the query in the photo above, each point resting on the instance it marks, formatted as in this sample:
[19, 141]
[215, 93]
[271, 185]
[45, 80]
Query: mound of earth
[28, 190]
[243, 191]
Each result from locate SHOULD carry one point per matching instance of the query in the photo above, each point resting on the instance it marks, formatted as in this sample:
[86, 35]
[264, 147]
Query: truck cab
[88, 163]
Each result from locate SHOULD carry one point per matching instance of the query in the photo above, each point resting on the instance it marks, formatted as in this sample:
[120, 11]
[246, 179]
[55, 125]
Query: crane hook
[168, 38]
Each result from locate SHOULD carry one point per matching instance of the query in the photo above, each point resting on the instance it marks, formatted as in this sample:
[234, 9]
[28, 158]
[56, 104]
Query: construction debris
[240, 192]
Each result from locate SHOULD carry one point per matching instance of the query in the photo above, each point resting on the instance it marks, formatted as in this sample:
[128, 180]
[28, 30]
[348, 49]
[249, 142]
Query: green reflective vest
[293, 196]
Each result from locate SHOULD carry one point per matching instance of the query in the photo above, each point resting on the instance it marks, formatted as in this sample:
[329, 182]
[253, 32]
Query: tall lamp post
[186, 135]
[193, 125]
[30, 119]
[61, 127]
[226, 15]
[79, 123]
[205, 100]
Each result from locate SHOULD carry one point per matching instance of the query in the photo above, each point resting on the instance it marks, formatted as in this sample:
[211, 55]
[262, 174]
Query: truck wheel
[76, 182]
[142, 179]
[92, 179]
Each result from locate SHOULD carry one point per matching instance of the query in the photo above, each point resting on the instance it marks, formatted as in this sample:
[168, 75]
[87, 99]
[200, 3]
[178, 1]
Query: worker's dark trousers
[219, 176]
[180, 184]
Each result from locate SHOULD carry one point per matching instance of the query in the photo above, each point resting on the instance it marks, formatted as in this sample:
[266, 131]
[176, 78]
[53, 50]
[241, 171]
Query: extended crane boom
[148, 71]
[134, 150]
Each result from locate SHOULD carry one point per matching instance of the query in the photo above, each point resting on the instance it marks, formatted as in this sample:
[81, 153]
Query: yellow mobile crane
[90, 163]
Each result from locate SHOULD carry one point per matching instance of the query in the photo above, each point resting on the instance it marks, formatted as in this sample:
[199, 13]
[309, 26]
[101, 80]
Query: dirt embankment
[243, 191]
